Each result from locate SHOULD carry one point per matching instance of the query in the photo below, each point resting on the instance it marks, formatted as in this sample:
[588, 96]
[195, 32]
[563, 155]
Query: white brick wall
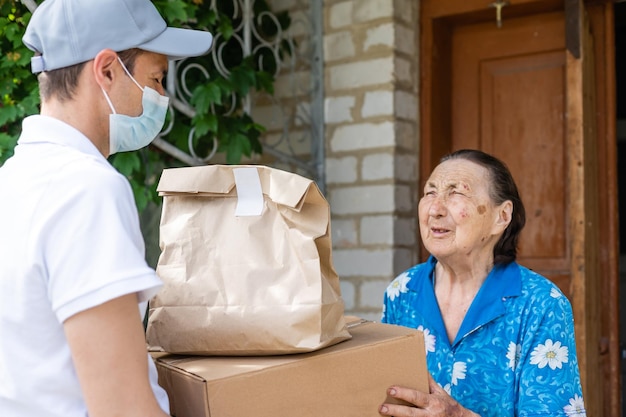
[338, 46]
[404, 70]
[378, 166]
[340, 14]
[363, 262]
[371, 125]
[361, 74]
[371, 87]
[406, 168]
[342, 170]
[362, 199]
[405, 231]
[344, 233]
[381, 35]
[354, 137]
[405, 41]
[406, 11]
[367, 10]
[377, 103]
[377, 230]
[372, 293]
[339, 109]
[405, 105]
[348, 293]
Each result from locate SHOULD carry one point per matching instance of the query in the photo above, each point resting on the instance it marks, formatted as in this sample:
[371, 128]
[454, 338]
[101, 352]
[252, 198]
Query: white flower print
[429, 339]
[398, 286]
[551, 354]
[458, 372]
[576, 407]
[555, 293]
[447, 388]
[513, 354]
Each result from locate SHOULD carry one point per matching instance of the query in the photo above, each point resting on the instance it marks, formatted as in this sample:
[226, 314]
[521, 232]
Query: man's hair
[62, 83]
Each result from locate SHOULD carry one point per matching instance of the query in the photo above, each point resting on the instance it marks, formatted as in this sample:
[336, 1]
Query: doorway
[582, 244]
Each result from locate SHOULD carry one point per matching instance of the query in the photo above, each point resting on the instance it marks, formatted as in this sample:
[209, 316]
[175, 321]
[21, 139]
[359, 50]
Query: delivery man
[73, 279]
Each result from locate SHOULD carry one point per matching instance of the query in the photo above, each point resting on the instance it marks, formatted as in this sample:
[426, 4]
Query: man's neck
[79, 115]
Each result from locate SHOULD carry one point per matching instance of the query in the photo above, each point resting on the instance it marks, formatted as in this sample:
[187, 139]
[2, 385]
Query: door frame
[437, 20]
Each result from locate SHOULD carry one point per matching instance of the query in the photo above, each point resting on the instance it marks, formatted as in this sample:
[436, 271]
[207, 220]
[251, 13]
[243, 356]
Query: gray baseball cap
[68, 32]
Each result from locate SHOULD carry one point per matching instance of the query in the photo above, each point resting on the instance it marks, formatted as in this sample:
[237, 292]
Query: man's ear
[504, 213]
[105, 68]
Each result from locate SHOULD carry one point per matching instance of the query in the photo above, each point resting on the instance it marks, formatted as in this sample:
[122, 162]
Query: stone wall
[371, 113]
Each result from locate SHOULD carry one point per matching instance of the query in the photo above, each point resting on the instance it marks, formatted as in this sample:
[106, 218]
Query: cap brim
[179, 43]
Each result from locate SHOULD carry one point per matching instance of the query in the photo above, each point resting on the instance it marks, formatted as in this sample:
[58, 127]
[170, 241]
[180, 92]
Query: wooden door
[518, 92]
[509, 100]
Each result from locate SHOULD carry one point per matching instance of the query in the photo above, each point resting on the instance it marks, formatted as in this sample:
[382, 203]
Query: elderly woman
[499, 337]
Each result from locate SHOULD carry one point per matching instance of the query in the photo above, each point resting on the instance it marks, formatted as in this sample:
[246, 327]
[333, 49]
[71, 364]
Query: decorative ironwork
[294, 115]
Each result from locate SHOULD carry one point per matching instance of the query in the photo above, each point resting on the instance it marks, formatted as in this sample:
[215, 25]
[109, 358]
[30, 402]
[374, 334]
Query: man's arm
[109, 352]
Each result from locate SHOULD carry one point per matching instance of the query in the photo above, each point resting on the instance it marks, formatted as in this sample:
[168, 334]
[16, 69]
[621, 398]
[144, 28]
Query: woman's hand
[436, 404]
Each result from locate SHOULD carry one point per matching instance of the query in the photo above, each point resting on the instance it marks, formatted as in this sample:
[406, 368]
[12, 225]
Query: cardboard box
[344, 380]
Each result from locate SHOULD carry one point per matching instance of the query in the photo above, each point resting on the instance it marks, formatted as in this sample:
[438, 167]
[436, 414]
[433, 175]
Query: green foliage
[219, 101]
[19, 92]
[215, 98]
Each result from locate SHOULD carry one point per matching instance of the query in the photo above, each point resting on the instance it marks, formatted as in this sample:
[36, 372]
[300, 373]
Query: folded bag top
[283, 188]
[246, 263]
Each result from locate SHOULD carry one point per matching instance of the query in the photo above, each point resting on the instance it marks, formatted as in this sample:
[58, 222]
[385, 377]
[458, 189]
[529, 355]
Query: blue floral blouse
[515, 353]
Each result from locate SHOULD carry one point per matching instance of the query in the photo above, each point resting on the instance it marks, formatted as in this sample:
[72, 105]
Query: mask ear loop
[106, 96]
[128, 73]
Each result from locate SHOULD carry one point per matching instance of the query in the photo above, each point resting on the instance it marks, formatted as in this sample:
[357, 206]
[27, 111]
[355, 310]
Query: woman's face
[456, 214]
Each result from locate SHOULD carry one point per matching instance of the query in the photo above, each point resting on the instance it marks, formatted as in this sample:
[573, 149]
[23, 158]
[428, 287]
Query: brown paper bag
[246, 264]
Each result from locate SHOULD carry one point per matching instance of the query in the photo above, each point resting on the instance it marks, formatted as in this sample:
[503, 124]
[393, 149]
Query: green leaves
[19, 92]
[204, 124]
[7, 143]
[242, 78]
[265, 82]
[225, 27]
[239, 137]
[142, 168]
[218, 100]
[206, 95]
[176, 12]
[127, 163]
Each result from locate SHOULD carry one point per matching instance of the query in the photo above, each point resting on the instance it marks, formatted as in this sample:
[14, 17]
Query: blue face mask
[128, 133]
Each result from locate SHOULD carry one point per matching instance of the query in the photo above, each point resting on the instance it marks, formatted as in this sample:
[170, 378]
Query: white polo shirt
[69, 240]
